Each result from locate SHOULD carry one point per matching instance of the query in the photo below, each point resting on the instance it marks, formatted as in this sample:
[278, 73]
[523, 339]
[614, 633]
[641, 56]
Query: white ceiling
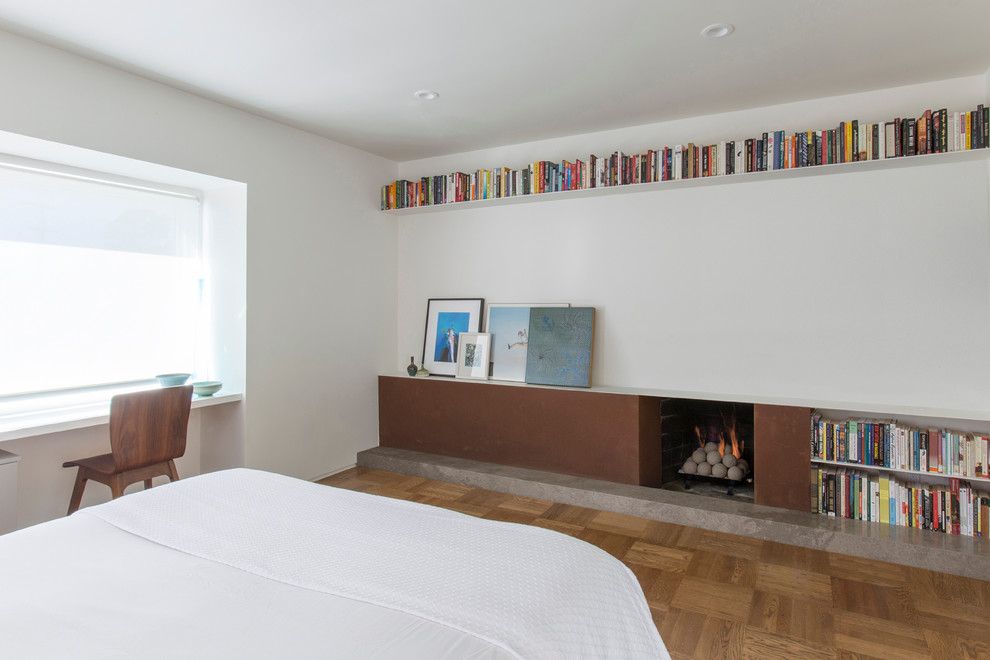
[511, 70]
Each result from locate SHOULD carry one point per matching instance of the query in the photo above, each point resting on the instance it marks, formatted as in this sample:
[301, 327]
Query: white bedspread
[529, 592]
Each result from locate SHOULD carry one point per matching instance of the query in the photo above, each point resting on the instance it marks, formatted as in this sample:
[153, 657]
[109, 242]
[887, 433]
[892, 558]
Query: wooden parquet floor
[716, 595]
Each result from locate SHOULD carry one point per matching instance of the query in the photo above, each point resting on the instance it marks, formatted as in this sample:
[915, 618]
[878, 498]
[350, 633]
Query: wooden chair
[147, 432]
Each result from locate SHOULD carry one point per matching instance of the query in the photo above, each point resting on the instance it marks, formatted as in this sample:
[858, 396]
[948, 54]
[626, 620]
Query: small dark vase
[412, 368]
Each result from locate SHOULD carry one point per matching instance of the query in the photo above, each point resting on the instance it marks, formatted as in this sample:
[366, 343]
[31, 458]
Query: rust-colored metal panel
[575, 432]
[782, 456]
[650, 449]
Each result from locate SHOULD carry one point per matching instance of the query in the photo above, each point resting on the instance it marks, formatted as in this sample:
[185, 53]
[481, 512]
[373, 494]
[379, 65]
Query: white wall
[865, 287]
[321, 260]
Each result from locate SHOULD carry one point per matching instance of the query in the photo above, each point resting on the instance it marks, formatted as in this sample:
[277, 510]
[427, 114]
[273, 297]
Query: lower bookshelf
[908, 498]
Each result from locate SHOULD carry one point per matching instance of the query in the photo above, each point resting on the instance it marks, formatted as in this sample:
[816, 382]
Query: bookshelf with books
[888, 472]
[850, 146]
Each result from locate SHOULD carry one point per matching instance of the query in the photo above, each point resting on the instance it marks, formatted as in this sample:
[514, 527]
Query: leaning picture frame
[561, 346]
[508, 323]
[473, 352]
[446, 319]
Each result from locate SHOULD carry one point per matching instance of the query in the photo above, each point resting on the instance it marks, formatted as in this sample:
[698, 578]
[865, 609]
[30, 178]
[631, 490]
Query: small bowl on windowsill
[207, 387]
[172, 380]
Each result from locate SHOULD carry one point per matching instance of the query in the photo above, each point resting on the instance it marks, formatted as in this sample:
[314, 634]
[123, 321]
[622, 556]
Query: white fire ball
[714, 457]
[710, 446]
[719, 471]
[743, 465]
[704, 469]
[735, 473]
[699, 456]
[728, 460]
[690, 467]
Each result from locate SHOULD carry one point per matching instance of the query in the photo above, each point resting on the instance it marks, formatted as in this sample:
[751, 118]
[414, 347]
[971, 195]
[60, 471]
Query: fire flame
[735, 444]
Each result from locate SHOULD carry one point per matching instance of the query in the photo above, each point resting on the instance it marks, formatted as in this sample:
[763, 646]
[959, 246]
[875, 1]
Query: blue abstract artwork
[449, 326]
[560, 346]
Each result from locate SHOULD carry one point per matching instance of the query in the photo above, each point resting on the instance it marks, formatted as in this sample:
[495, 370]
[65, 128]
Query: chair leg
[147, 484]
[77, 492]
[116, 486]
[173, 474]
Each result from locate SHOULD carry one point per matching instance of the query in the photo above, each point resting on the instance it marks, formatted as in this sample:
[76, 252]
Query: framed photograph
[508, 324]
[446, 319]
[473, 355]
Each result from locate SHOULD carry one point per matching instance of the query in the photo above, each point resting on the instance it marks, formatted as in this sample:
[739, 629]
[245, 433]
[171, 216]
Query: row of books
[954, 508]
[935, 131]
[889, 444]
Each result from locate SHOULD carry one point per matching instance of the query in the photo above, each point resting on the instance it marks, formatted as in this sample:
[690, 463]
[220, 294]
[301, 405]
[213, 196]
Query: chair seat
[104, 464]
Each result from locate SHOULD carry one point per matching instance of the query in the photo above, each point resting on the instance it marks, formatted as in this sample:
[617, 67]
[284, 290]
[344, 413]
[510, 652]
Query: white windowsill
[66, 419]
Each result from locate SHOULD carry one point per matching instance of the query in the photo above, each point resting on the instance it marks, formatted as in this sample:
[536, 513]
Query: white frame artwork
[473, 355]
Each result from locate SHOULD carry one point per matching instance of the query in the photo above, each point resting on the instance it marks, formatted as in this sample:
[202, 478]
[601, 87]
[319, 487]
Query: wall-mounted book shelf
[719, 180]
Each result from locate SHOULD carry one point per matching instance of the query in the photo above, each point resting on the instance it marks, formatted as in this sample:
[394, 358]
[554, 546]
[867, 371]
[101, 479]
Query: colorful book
[885, 502]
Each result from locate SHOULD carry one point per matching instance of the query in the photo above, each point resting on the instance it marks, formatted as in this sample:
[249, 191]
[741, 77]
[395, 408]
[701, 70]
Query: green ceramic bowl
[172, 380]
[206, 387]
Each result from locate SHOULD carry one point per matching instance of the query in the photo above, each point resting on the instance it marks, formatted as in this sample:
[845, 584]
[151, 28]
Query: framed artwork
[473, 349]
[446, 319]
[560, 346]
[508, 324]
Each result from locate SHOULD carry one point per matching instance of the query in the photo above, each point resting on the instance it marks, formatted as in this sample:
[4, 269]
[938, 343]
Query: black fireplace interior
[688, 425]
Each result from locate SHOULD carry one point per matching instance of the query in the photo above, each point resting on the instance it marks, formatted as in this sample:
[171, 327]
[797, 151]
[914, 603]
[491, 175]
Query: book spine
[978, 128]
[940, 118]
[985, 124]
[910, 146]
[954, 506]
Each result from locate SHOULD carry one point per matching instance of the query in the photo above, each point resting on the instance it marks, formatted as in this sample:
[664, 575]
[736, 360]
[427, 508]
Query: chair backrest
[149, 427]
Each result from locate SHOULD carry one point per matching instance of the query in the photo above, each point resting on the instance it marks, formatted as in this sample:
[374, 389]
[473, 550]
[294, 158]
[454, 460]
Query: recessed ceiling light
[717, 30]
[426, 95]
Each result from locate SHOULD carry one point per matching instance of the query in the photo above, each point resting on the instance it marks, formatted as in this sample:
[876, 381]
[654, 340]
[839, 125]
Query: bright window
[102, 280]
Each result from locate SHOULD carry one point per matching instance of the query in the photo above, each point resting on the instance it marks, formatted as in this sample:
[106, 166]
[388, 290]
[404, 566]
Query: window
[102, 279]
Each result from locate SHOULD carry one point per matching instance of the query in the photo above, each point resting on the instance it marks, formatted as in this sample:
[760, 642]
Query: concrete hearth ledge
[957, 555]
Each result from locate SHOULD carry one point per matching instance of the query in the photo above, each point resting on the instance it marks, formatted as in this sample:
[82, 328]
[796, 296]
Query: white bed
[249, 564]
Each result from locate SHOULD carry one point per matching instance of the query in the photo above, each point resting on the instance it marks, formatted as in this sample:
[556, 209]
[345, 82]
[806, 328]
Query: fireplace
[600, 435]
[707, 447]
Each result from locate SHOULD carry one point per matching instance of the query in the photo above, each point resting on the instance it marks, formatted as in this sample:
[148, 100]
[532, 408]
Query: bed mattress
[249, 564]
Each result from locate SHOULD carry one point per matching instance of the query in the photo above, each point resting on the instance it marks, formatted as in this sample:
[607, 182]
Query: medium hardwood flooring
[716, 595]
